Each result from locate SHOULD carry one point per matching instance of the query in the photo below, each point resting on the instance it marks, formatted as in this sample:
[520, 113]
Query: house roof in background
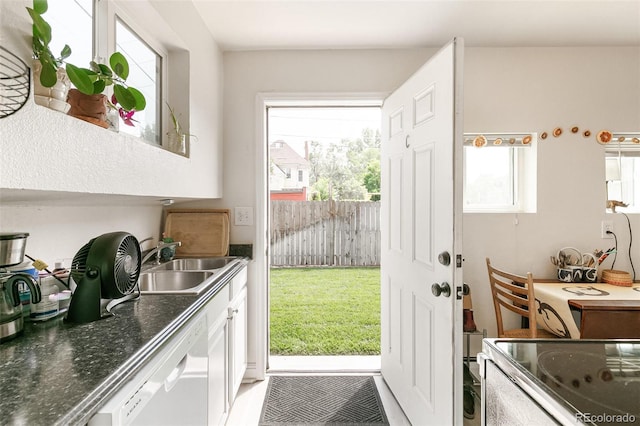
[327, 24]
[282, 155]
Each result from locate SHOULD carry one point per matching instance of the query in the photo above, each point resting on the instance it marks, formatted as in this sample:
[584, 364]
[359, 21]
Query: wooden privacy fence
[335, 233]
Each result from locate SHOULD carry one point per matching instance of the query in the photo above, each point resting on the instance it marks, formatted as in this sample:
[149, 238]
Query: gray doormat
[322, 400]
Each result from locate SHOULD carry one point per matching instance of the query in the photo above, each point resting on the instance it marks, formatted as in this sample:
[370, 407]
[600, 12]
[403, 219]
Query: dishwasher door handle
[175, 374]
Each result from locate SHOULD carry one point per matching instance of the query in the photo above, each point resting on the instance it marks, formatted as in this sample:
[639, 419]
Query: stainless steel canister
[12, 246]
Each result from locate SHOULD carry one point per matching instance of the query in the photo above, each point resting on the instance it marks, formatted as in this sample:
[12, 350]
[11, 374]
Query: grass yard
[325, 311]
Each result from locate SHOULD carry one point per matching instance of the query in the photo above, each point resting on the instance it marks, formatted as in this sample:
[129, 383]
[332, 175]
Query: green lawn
[325, 311]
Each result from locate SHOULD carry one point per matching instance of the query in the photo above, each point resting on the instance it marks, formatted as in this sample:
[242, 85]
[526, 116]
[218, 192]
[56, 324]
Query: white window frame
[617, 152]
[115, 12]
[523, 169]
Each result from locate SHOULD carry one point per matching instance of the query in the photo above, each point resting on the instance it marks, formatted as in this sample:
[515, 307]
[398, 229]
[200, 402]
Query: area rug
[322, 400]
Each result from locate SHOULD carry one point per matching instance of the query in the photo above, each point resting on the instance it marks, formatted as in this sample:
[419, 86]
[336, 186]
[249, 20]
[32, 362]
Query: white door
[422, 216]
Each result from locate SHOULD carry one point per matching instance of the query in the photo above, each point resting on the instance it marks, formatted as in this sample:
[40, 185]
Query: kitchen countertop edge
[83, 412]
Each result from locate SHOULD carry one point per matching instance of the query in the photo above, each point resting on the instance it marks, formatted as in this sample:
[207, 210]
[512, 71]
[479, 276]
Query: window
[288, 172]
[300, 175]
[78, 35]
[622, 165]
[101, 27]
[145, 67]
[499, 173]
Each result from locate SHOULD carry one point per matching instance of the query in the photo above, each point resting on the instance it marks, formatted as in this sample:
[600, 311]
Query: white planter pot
[51, 97]
[177, 143]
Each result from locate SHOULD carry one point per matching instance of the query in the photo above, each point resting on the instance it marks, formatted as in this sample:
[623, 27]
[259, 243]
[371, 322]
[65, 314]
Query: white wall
[536, 90]
[93, 166]
[529, 89]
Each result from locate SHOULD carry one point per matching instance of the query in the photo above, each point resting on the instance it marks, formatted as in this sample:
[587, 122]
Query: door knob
[438, 289]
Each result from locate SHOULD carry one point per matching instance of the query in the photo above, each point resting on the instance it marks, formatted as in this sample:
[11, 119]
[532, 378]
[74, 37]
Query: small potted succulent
[177, 137]
[51, 83]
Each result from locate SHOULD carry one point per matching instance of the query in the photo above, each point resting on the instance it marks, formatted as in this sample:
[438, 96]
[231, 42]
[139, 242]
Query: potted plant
[88, 101]
[51, 84]
[176, 141]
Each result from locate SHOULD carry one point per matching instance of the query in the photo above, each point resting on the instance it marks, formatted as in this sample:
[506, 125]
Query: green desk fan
[106, 272]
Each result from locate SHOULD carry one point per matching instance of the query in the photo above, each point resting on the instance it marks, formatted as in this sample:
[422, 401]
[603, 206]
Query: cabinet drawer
[217, 305]
[237, 283]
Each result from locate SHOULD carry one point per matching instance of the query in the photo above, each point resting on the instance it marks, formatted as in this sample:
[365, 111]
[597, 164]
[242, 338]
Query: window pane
[78, 36]
[489, 177]
[624, 183]
[144, 75]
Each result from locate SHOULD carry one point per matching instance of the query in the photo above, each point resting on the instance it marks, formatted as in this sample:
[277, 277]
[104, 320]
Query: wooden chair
[515, 293]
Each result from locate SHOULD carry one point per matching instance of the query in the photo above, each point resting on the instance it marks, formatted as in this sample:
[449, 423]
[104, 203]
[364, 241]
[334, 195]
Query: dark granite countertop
[61, 373]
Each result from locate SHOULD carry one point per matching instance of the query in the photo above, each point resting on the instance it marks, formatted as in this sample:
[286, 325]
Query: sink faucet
[156, 251]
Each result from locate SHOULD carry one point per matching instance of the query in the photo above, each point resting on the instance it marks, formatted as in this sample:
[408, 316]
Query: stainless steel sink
[196, 264]
[184, 276]
[170, 282]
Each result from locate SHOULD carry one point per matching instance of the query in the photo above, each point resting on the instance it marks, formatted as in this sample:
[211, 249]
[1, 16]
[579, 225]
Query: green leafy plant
[90, 81]
[41, 40]
[177, 127]
[94, 80]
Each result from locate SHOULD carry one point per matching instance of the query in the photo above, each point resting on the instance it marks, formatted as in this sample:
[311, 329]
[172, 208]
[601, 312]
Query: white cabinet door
[218, 389]
[238, 342]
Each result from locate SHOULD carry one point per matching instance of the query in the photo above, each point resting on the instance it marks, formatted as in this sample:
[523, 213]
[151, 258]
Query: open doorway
[324, 237]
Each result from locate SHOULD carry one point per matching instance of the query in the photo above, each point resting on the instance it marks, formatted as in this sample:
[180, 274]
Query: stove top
[599, 379]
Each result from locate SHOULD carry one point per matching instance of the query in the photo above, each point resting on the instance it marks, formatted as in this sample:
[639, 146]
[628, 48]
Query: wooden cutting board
[202, 232]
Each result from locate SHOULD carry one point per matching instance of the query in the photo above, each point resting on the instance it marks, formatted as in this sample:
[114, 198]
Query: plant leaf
[80, 78]
[141, 102]
[48, 75]
[40, 6]
[98, 86]
[119, 65]
[41, 29]
[124, 97]
[66, 52]
[104, 69]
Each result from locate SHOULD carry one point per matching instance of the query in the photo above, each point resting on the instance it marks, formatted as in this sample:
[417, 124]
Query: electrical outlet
[607, 225]
[243, 216]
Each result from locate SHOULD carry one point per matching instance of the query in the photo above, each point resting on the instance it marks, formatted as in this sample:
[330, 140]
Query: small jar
[48, 307]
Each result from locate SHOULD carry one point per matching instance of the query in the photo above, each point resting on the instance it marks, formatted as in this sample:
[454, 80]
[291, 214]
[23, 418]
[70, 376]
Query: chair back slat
[513, 293]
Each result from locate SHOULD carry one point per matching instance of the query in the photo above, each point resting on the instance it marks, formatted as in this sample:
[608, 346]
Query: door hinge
[459, 261]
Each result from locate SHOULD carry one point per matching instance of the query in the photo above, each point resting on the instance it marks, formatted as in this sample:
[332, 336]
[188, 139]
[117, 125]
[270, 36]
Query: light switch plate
[243, 216]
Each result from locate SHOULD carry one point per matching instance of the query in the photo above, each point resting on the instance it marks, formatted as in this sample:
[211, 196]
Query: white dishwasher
[170, 390]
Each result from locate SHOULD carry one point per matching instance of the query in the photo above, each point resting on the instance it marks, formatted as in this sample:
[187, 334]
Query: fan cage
[127, 265]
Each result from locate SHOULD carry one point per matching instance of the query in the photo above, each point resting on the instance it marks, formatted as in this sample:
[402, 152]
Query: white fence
[335, 233]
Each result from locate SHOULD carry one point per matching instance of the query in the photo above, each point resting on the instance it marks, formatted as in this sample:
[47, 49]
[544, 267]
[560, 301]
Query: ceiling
[325, 24]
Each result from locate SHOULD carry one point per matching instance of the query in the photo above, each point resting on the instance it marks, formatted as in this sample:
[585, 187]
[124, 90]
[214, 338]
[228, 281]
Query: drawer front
[238, 283]
[217, 305]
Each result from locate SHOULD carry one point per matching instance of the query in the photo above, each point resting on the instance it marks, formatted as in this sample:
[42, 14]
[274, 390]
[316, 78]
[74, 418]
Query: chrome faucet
[156, 251]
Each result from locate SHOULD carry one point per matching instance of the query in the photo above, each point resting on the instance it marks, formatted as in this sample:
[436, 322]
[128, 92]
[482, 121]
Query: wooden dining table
[588, 310]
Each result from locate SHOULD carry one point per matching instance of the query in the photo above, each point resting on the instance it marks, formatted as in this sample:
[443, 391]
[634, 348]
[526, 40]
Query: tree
[372, 179]
[342, 166]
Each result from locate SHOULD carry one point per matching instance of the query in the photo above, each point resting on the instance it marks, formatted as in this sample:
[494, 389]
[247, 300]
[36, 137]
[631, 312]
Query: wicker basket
[619, 278]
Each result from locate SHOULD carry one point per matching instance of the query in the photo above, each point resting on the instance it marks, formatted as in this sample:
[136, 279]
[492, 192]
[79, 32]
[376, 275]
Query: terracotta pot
[90, 108]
